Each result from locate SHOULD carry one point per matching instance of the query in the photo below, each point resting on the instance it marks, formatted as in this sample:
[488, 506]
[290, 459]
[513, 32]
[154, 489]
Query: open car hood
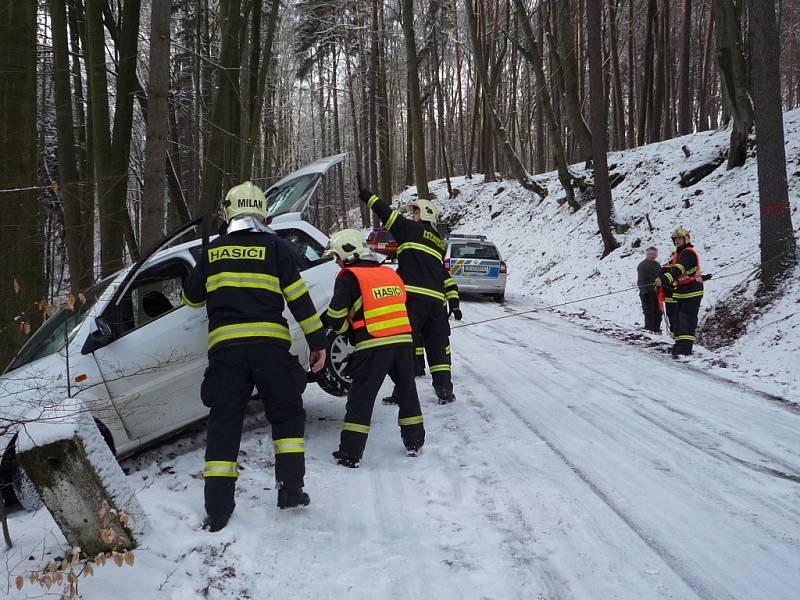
[293, 193]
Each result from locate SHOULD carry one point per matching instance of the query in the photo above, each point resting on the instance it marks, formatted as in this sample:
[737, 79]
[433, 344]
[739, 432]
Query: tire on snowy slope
[333, 377]
[13, 476]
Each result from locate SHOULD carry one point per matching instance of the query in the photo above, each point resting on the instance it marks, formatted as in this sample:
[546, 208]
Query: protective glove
[456, 312]
[364, 195]
[657, 282]
[706, 276]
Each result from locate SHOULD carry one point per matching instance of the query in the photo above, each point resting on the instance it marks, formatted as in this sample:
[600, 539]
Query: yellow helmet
[348, 245]
[428, 211]
[681, 232]
[245, 200]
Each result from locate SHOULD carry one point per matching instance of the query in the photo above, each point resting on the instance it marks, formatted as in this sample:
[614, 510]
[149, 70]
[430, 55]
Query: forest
[122, 119]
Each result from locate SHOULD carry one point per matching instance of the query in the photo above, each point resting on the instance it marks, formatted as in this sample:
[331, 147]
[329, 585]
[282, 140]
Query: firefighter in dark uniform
[420, 256]
[369, 301]
[244, 277]
[686, 279]
[453, 302]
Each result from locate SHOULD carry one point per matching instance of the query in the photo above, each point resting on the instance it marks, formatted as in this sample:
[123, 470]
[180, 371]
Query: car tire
[332, 378]
[19, 482]
[499, 297]
[24, 490]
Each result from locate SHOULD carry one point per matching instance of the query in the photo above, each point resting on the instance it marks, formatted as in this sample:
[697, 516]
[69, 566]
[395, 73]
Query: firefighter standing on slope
[370, 299]
[244, 277]
[420, 256]
[686, 278]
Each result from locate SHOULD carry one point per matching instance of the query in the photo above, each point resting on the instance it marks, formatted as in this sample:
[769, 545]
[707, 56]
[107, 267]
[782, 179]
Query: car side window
[154, 292]
[307, 251]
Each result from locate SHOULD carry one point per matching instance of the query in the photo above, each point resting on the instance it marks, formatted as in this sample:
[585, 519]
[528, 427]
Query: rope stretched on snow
[628, 289]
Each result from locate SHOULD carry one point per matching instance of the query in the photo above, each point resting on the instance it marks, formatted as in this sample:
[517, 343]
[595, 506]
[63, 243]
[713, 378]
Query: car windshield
[474, 250]
[64, 323]
[383, 236]
[291, 196]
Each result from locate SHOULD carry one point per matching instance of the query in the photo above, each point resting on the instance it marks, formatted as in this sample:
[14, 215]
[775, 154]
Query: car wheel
[333, 378]
[499, 297]
[24, 489]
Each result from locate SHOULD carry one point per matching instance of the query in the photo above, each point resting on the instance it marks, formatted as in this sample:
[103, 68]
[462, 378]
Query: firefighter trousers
[671, 309]
[431, 331]
[369, 369]
[233, 371]
[686, 317]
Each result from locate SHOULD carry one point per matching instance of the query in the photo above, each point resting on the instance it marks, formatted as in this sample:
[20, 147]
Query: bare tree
[733, 72]
[602, 189]
[777, 235]
[685, 99]
[154, 193]
[415, 125]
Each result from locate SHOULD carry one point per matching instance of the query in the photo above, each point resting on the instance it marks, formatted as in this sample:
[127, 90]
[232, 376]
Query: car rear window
[380, 236]
[474, 250]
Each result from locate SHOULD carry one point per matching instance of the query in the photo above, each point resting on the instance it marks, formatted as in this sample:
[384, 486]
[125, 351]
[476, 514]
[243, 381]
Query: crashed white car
[135, 355]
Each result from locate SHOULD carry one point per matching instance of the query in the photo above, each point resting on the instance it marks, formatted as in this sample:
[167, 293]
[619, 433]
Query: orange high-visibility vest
[384, 301]
[685, 279]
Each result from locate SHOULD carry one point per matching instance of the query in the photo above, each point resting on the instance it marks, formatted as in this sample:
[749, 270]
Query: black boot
[290, 497]
[346, 460]
[214, 523]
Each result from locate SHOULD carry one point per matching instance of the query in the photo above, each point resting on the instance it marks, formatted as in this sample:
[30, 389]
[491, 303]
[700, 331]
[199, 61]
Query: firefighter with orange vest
[420, 257]
[685, 277]
[369, 299]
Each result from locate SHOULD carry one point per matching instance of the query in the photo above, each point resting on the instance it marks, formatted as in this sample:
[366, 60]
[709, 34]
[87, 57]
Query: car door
[154, 363]
[293, 193]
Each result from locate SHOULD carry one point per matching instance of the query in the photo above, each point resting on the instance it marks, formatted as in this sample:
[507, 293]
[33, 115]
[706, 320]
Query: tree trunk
[216, 160]
[602, 189]
[790, 91]
[705, 80]
[631, 76]
[569, 71]
[22, 255]
[516, 166]
[80, 258]
[646, 91]
[777, 235]
[155, 159]
[733, 71]
[654, 129]
[383, 124]
[685, 91]
[616, 77]
[415, 105]
[534, 57]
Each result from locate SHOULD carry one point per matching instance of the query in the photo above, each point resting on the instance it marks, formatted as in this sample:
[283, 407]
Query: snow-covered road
[572, 466]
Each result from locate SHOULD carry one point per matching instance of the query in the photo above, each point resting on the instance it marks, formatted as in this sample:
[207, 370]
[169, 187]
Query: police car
[476, 265]
[135, 355]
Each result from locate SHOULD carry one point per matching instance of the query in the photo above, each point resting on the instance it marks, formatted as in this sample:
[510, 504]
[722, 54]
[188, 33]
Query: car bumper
[481, 285]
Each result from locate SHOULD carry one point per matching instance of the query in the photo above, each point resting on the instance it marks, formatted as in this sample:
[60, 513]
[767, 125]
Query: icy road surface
[571, 466]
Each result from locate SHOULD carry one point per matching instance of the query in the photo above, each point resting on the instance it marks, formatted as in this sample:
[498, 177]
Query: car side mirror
[99, 338]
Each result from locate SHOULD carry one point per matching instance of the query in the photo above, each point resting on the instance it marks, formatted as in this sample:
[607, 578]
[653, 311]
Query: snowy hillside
[553, 254]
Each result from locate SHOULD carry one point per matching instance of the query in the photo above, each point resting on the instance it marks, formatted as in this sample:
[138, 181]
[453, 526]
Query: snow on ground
[554, 254]
[574, 464]
[568, 468]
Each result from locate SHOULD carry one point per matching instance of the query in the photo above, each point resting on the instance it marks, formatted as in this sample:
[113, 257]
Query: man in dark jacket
[369, 301]
[686, 278]
[647, 272]
[245, 278]
[420, 256]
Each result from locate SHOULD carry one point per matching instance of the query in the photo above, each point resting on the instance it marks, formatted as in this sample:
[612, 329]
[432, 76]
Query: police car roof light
[466, 236]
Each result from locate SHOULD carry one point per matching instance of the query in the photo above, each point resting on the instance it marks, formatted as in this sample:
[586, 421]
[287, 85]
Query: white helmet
[428, 211]
[245, 200]
[348, 245]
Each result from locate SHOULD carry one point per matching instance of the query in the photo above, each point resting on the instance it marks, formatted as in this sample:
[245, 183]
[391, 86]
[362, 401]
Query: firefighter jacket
[451, 290]
[369, 301]
[684, 274]
[420, 251]
[244, 278]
